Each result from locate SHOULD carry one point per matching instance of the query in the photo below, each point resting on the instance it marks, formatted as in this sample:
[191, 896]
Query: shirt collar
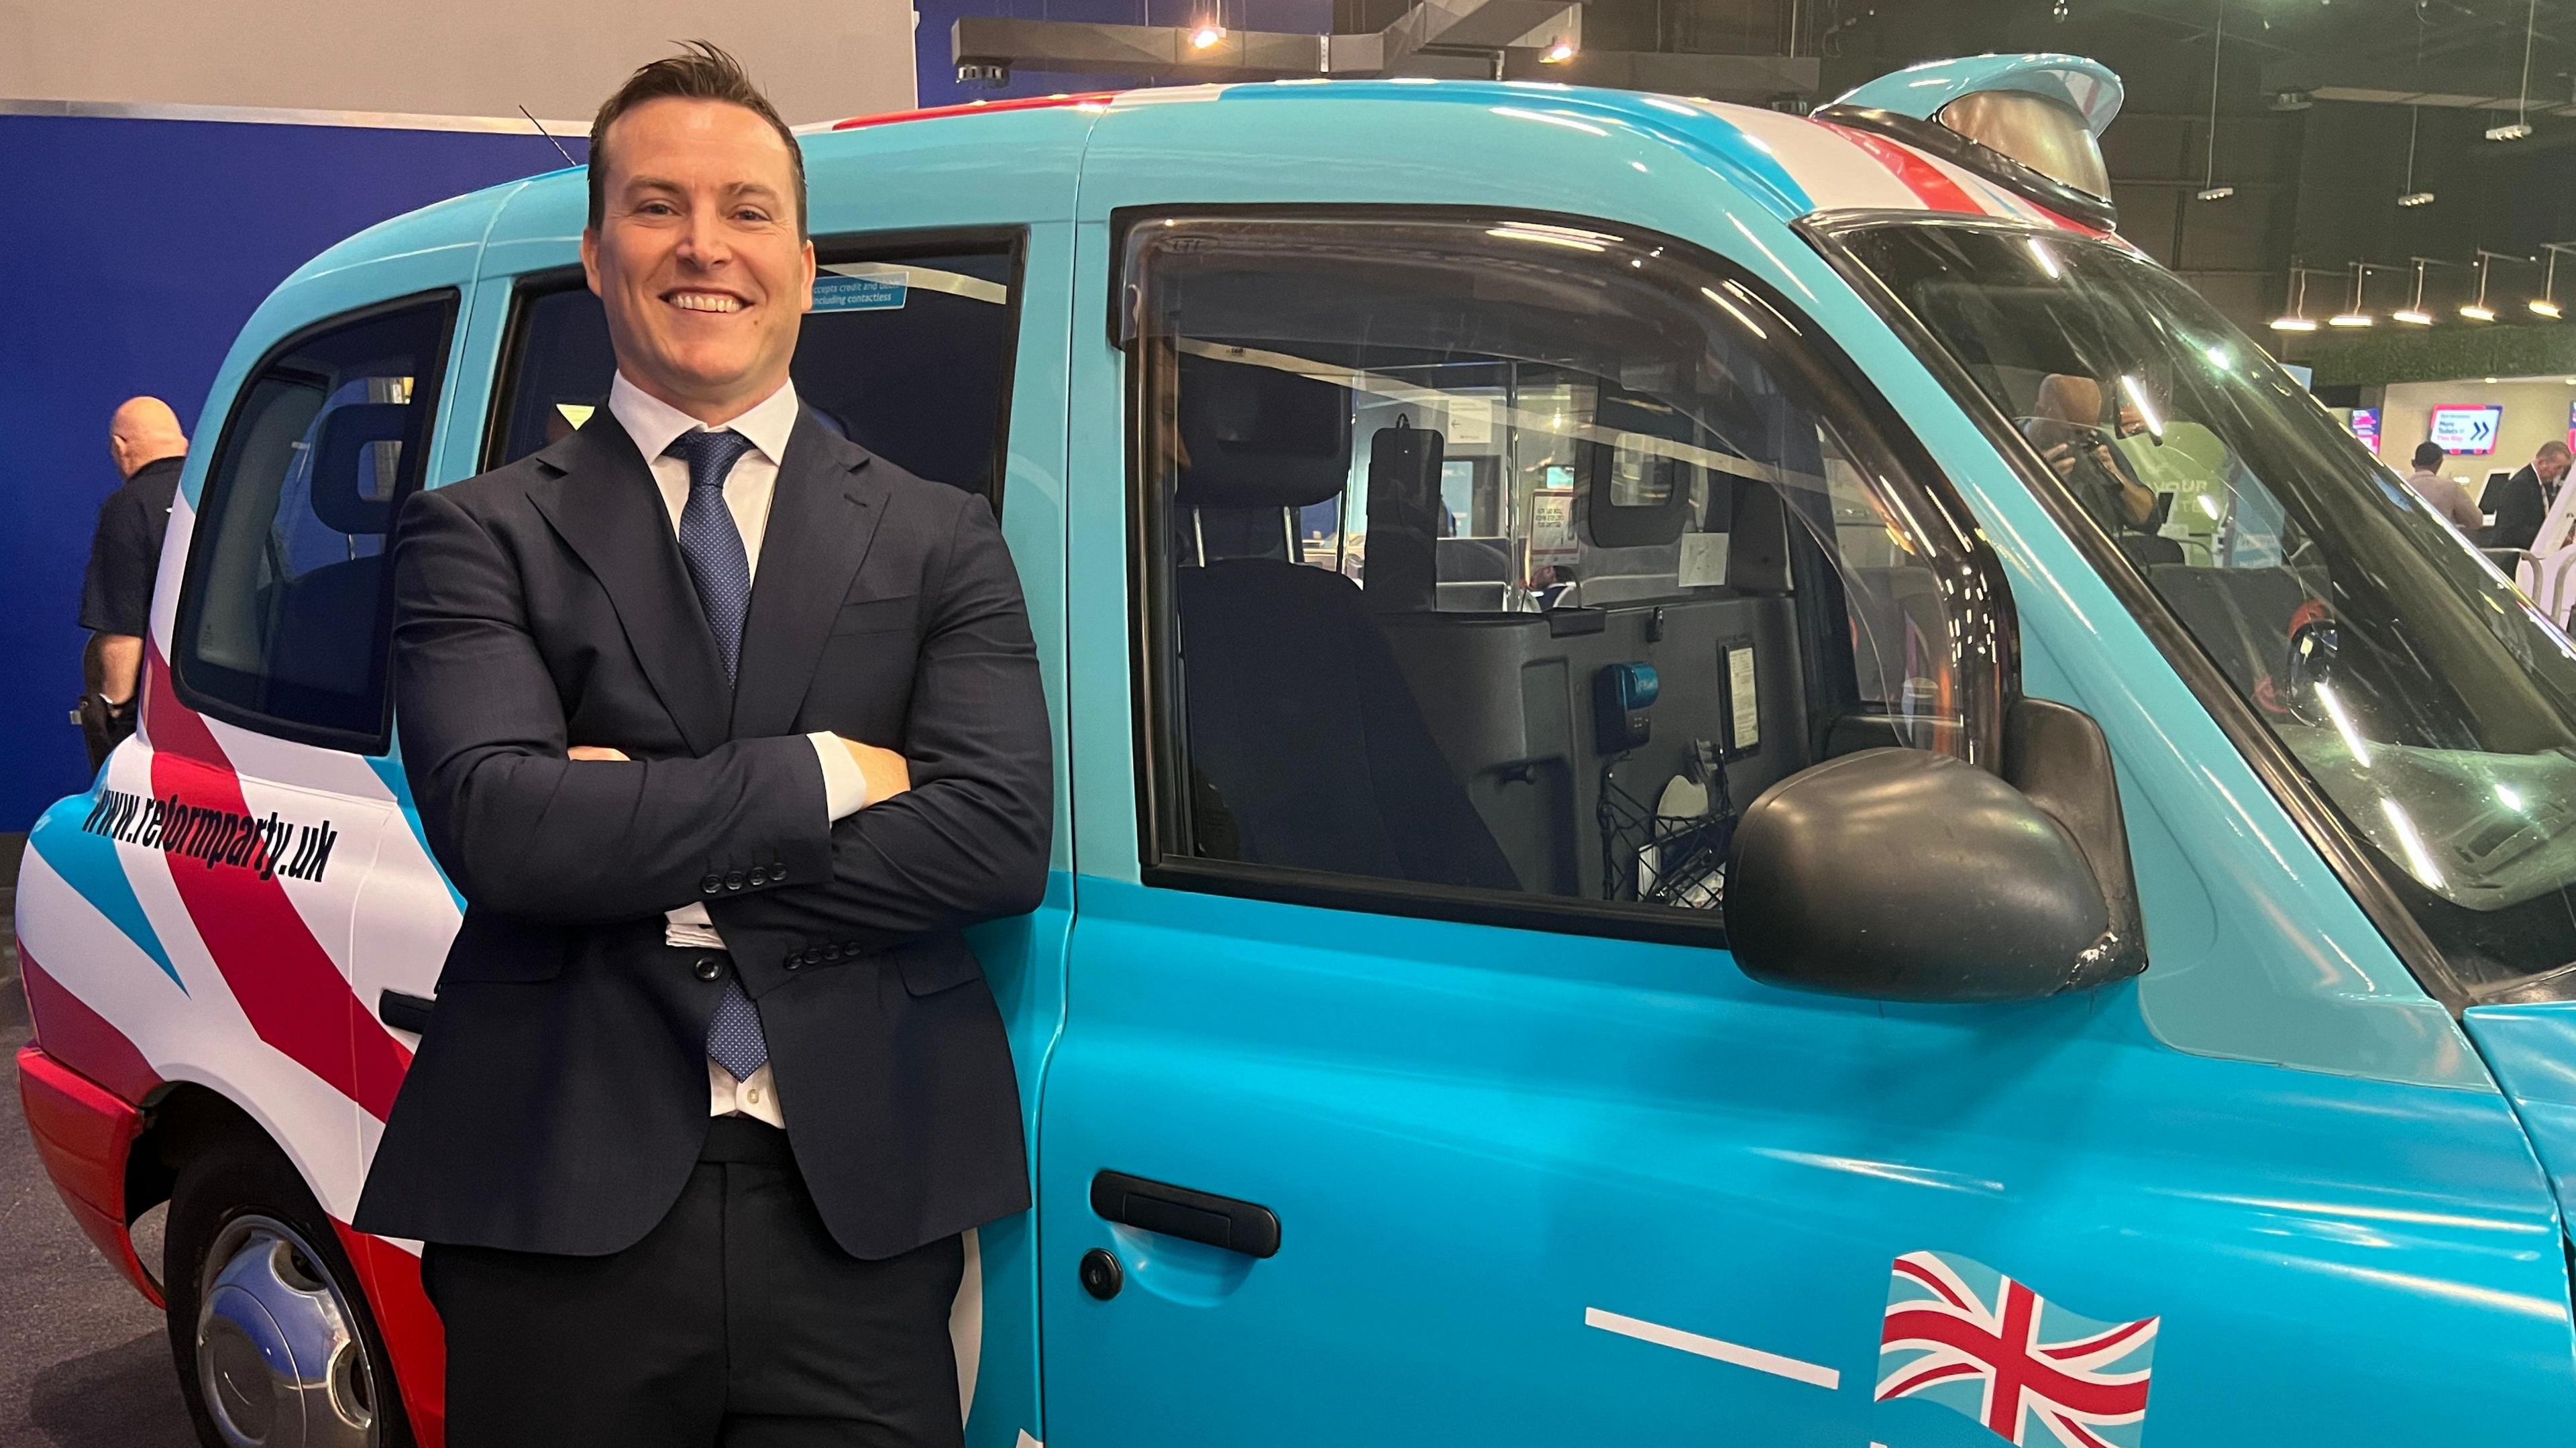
[654, 424]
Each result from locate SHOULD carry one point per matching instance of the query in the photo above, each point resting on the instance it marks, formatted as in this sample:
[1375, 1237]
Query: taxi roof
[1792, 166]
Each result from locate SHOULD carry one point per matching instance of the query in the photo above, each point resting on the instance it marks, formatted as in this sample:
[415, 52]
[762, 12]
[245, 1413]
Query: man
[2067, 429]
[2449, 496]
[144, 440]
[2525, 498]
[725, 729]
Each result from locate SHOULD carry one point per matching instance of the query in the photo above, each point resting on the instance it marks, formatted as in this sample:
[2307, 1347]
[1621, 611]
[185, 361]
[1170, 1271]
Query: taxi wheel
[270, 1333]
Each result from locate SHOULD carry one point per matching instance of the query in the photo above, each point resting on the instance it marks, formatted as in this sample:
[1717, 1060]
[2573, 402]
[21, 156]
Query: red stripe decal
[289, 987]
[414, 1337]
[1929, 184]
[83, 1039]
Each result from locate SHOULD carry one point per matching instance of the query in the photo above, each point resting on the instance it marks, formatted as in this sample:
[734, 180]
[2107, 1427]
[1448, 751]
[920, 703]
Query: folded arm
[527, 831]
[968, 841]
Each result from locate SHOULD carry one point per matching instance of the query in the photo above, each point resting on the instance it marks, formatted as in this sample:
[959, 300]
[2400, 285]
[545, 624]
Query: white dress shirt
[655, 425]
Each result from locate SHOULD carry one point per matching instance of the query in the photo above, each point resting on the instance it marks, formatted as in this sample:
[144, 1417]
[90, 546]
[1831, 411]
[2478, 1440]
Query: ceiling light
[2213, 193]
[1206, 36]
[2478, 313]
[2519, 130]
[2416, 198]
[2412, 317]
[2545, 307]
[1557, 54]
[2296, 319]
[2293, 100]
[2356, 313]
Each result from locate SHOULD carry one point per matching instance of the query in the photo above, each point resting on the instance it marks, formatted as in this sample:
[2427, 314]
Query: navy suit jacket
[559, 1097]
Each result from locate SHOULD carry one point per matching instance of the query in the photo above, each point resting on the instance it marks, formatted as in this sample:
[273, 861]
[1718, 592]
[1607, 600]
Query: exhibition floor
[83, 1360]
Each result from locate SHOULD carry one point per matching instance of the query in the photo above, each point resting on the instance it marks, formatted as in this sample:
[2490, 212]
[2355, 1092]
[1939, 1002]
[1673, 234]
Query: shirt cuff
[845, 785]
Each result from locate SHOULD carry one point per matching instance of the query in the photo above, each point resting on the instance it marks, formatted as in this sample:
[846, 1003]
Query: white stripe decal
[1710, 1347]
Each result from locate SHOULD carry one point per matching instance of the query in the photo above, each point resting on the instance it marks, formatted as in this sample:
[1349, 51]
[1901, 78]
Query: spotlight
[2519, 130]
[2545, 307]
[2350, 319]
[2294, 324]
[1559, 53]
[2213, 193]
[2416, 198]
[1206, 36]
[992, 75]
[2412, 317]
[2478, 312]
[2293, 100]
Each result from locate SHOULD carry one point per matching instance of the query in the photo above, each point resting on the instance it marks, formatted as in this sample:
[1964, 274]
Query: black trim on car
[888, 246]
[428, 389]
[1820, 365]
[2342, 849]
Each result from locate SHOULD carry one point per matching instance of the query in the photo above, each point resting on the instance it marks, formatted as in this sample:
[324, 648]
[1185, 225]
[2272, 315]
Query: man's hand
[888, 773]
[597, 753]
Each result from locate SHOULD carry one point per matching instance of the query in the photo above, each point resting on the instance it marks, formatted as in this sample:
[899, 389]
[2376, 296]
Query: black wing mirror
[1901, 874]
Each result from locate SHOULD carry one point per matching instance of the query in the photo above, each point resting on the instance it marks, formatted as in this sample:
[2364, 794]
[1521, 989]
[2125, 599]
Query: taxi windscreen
[2431, 705]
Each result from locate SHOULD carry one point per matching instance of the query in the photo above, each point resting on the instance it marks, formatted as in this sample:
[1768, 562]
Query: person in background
[2449, 496]
[144, 439]
[2067, 429]
[2525, 498]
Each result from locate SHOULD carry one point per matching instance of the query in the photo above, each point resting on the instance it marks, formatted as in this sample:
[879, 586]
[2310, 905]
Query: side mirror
[1900, 874]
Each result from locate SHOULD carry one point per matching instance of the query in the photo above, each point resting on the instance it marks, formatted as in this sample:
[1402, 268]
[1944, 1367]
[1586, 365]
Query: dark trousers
[736, 1322]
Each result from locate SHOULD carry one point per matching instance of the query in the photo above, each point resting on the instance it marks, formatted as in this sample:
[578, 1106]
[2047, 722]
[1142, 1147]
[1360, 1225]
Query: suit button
[707, 967]
[733, 881]
[711, 884]
[831, 952]
[793, 960]
[759, 875]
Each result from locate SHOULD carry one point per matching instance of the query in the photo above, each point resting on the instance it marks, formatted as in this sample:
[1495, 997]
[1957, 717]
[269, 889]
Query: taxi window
[285, 616]
[907, 353]
[1515, 558]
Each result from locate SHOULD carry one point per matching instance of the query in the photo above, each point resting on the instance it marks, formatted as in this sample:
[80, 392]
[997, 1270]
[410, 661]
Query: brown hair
[702, 71]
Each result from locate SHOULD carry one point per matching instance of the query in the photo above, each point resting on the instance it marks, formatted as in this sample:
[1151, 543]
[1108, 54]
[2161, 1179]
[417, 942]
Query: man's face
[697, 256]
[2550, 469]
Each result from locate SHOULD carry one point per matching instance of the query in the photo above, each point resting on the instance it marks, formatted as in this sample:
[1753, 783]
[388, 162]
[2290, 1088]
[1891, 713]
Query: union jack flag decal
[1973, 1340]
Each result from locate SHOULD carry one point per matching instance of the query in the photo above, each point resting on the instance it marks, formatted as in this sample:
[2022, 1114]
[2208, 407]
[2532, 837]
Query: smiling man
[724, 729]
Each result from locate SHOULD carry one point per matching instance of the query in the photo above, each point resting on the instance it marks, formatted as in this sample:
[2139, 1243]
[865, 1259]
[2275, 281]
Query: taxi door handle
[1236, 1226]
[404, 1011]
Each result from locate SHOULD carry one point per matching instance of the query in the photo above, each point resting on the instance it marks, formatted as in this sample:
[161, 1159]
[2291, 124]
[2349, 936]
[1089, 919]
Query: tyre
[268, 1327]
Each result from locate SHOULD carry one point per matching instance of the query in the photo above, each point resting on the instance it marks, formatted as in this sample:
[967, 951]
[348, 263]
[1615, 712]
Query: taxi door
[1405, 1092]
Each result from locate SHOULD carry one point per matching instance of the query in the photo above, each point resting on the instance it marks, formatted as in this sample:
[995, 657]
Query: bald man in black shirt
[124, 557]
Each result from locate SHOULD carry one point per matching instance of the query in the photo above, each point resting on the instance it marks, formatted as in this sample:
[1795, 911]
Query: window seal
[2298, 794]
[529, 288]
[1814, 360]
[427, 390]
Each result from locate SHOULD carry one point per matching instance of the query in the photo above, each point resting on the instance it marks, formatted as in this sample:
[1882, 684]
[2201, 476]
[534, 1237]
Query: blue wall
[136, 250]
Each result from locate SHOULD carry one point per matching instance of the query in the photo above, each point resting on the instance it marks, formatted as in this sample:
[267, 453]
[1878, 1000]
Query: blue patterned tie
[721, 569]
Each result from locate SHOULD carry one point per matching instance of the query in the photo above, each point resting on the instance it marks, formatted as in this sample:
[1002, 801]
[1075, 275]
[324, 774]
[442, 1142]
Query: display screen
[2468, 428]
[2365, 426]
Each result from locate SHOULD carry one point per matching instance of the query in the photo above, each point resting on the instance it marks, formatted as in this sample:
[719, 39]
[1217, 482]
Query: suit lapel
[822, 518]
[606, 509]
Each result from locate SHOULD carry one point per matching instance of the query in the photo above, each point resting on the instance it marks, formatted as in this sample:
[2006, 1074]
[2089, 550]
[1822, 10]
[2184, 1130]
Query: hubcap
[278, 1352]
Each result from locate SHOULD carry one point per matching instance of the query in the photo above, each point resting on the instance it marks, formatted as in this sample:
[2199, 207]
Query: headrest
[1257, 437]
[349, 494]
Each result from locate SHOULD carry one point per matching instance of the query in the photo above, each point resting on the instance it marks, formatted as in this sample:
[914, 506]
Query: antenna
[550, 140]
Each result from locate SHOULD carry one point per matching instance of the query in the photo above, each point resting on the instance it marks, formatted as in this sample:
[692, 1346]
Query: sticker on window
[1744, 704]
[1551, 537]
[880, 292]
